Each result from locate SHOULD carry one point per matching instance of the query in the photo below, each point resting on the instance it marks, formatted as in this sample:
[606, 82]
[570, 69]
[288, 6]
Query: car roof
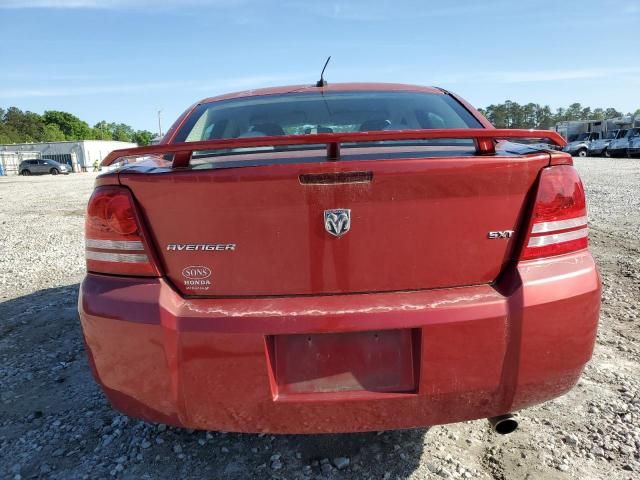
[332, 87]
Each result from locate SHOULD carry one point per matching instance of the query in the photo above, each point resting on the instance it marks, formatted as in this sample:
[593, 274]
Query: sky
[123, 60]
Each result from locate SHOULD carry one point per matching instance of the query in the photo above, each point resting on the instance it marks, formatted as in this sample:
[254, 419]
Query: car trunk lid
[417, 219]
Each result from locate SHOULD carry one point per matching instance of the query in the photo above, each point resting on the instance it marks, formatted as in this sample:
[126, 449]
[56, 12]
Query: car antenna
[322, 82]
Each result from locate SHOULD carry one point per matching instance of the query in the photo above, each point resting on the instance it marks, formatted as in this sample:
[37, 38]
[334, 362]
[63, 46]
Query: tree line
[17, 126]
[532, 115]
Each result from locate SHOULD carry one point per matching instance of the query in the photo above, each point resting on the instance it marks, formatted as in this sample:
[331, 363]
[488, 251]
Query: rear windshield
[311, 113]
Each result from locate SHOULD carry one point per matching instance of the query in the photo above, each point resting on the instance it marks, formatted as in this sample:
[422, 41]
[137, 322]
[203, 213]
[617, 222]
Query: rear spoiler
[484, 139]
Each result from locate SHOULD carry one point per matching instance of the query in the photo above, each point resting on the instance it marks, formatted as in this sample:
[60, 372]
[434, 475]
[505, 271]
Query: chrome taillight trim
[117, 257]
[559, 225]
[114, 244]
[544, 240]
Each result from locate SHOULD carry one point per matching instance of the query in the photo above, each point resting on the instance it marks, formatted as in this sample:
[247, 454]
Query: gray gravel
[55, 422]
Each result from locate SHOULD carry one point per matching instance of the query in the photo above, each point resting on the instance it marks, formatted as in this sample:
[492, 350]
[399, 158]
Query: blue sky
[122, 60]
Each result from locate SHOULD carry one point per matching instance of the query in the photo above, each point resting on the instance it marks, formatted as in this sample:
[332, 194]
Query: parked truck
[600, 147]
[580, 146]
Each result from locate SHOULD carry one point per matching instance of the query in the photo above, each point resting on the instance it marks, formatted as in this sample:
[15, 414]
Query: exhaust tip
[504, 424]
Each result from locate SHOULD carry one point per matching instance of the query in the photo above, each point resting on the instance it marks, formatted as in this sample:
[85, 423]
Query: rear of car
[55, 168]
[23, 168]
[350, 258]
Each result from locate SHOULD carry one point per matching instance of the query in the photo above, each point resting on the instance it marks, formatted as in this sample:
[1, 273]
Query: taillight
[114, 238]
[559, 223]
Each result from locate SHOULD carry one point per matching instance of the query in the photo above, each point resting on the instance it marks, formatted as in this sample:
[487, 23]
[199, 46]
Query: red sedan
[337, 258]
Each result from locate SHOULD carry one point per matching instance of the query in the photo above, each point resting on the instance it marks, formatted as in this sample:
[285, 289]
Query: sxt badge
[500, 234]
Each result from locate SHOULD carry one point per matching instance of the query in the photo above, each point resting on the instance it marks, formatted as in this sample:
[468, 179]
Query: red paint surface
[203, 363]
[419, 223]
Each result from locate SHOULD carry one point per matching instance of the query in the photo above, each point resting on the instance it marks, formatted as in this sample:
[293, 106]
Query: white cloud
[384, 10]
[631, 8]
[207, 87]
[28, 75]
[537, 76]
[556, 75]
[114, 4]
[24, 92]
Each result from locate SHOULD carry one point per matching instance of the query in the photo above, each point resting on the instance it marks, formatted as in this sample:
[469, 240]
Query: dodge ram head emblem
[337, 221]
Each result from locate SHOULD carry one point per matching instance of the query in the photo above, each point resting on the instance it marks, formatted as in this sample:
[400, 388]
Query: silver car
[620, 146]
[34, 167]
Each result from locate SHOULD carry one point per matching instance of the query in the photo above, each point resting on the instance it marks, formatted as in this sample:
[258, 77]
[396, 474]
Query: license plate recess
[372, 361]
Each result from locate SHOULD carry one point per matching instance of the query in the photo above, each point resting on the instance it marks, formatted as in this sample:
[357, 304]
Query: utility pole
[160, 123]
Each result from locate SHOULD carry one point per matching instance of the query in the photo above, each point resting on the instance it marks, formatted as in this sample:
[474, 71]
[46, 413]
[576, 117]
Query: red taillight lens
[559, 223]
[114, 239]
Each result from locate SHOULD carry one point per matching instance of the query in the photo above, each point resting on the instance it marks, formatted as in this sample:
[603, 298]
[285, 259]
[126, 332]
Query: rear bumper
[479, 351]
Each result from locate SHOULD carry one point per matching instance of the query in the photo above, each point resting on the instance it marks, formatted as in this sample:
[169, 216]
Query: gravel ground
[55, 423]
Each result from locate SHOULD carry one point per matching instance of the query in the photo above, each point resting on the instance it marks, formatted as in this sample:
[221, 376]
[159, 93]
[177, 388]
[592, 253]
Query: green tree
[612, 113]
[560, 115]
[7, 134]
[53, 133]
[515, 115]
[532, 115]
[17, 126]
[574, 112]
[123, 133]
[28, 126]
[545, 117]
[72, 127]
[102, 131]
[498, 115]
[143, 137]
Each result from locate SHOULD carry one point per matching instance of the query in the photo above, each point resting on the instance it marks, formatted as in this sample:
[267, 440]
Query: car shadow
[50, 401]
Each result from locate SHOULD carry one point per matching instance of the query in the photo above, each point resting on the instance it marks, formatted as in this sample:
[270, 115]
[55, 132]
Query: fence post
[74, 162]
